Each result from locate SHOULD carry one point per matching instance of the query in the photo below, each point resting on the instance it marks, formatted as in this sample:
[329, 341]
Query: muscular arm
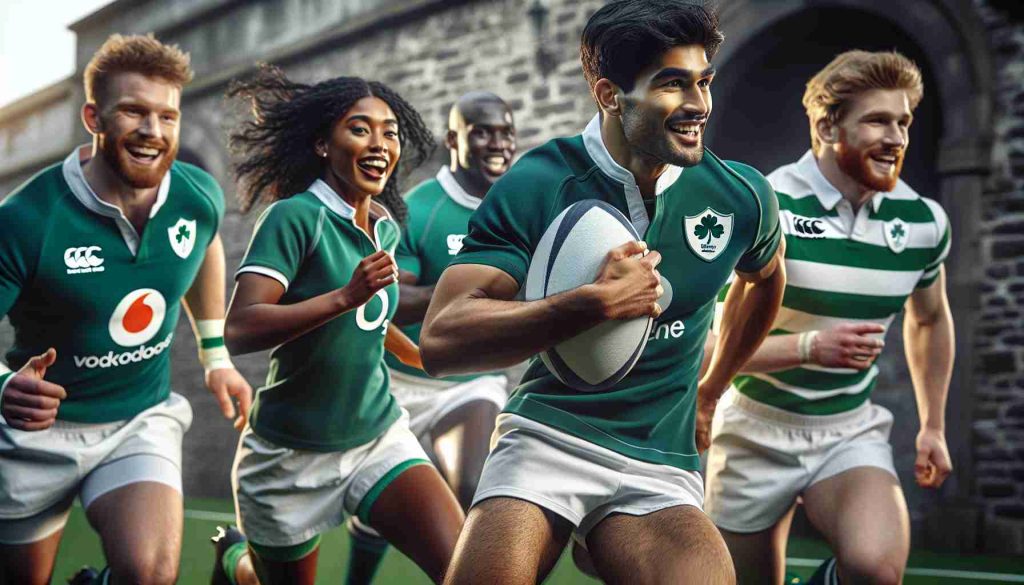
[205, 298]
[256, 321]
[473, 325]
[750, 308]
[413, 299]
[929, 346]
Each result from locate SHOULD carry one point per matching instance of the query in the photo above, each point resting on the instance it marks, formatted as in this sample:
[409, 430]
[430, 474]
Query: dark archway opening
[758, 117]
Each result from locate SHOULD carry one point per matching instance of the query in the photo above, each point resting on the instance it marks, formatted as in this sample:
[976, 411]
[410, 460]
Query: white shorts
[41, 472]
[285, 497]
[762, 457]
[578, 480]
[429, 400]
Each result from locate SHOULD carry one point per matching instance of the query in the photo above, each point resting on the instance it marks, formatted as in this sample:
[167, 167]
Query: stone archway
[772, 48]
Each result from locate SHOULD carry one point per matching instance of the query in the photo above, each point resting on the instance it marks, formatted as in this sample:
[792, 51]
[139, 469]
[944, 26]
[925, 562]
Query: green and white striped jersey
[843, 266]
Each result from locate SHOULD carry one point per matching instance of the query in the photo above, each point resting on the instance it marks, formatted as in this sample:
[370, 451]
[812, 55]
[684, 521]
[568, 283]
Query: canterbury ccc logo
[137, 317]
[83, 259]
[808, 228]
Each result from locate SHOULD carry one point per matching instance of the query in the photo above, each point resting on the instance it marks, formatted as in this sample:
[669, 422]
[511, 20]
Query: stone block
[996, 362]
[1009, 249]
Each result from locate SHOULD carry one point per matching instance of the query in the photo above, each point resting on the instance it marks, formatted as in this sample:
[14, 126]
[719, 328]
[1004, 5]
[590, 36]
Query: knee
[877, 568]
[151, 571]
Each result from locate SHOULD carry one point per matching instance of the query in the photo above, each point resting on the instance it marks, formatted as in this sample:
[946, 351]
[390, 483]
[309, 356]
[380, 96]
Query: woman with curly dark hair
[318, 287]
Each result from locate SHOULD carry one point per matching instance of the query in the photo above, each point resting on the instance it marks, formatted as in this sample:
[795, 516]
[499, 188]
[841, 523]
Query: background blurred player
[454, 416]
[861, 246]
[95, 255]
[318, 287]
[618, 468]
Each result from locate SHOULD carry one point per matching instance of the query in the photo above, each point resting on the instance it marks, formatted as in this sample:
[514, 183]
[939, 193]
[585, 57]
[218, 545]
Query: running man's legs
[31, 563]
[760, 556]
[508, 541]
[673, 545]
[863, 515]
[461, 442]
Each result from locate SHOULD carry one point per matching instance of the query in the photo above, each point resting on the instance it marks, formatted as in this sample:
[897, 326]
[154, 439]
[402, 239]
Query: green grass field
[81, 546]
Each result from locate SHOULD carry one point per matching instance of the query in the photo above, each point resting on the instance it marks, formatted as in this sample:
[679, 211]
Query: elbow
[434, 354]
[234, 337]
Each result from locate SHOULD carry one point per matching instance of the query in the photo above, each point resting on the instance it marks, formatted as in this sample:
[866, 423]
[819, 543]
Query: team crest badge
[708, 233]
[182, 236]
[897, 234]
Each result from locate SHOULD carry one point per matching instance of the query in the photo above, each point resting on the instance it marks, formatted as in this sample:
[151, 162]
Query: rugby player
[95, 254]
[862, 246]
[318, 287]
[454, 416]
[618, 469]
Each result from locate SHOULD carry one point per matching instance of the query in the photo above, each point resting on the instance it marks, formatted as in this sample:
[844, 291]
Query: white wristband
[213, 354]
[805, 345]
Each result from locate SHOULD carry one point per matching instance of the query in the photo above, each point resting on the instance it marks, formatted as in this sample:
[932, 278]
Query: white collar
[594, 143]
[335, 203]
[827, 194]
[455, 191]
[80, 188]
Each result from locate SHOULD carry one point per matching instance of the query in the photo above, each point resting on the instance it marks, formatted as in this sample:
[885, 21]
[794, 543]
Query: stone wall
[999, 339]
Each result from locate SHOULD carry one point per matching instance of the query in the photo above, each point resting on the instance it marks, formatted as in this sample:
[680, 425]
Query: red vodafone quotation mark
[138, 317]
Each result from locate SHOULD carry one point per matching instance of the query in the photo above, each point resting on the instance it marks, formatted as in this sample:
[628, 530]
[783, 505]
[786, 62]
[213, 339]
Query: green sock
[229, 562]
[365, 554]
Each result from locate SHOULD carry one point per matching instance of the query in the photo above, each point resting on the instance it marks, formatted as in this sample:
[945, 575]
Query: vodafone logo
[137, 317]
[381, 319]
[83, 259]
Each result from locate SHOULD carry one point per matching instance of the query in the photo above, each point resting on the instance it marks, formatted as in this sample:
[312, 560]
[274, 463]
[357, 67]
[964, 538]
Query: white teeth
[691, 130]
[143, 151]
[375, 163]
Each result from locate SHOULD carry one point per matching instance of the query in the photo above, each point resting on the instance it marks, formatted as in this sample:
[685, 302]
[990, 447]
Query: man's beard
[857, 165]
[651, 137]
[116, 156]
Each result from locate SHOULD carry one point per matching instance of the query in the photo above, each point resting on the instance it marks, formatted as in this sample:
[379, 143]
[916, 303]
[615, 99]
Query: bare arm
[204, 301]
[847, 345]
[750, 308]
[473, 325]
[929, 345]
[402, 347]
[256, 321]
[413, 299]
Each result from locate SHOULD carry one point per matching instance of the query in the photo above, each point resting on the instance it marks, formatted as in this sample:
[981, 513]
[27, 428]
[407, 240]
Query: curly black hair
[274, 149]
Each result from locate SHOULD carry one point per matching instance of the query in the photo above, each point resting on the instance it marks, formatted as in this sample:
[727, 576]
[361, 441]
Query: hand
[932, 465]
[373, 273]
[29, 402]
[630, 285]
[227, 383]
[705, 414]
[847, 345]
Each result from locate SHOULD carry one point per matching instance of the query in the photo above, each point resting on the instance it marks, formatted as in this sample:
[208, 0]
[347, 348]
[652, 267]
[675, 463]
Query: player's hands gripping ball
[30, 403]
[630, 283]
[373, 273]
[227, 384]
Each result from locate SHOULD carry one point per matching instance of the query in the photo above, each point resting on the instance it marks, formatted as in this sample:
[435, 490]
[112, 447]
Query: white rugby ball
[569, 255]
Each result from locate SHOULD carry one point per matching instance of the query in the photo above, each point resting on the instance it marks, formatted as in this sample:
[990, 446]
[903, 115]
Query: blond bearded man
[861, 246]
[96, 253]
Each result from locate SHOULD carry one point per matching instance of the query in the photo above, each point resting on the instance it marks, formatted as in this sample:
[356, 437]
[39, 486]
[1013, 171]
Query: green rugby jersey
[75, 276]
[327, 390]
[842, 267]
[439, 212]
[709, 220]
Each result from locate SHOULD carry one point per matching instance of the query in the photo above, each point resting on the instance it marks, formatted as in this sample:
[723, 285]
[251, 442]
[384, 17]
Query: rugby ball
[569, 255]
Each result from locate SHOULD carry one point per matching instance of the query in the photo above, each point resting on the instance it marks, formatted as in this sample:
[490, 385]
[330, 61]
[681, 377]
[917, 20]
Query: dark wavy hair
[624, 37]
[274, 149]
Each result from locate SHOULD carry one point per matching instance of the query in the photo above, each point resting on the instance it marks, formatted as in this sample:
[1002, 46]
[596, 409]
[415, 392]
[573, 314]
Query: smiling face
[872, 138]
[665, 115]
[362, 149]
[482, 140]
[136, 127]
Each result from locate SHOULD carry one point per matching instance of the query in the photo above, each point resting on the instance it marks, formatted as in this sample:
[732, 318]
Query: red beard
[114, 153]
[857, 164]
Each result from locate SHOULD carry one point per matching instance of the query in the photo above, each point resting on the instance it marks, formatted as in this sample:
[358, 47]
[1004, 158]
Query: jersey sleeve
[505, 229]
[279, 244]
[940, 251]
[769, 232]
[18, 254]
[405, 254]
[210, 188]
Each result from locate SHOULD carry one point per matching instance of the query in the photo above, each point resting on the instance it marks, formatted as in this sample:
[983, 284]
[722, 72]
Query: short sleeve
[769, 232]
[405, 254]
[279, 244]
[210, 188]
[17, 259]
[504, 230]
[943, 239]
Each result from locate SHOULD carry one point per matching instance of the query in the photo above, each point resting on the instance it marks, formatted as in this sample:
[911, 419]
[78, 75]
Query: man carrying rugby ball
[620, 468]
